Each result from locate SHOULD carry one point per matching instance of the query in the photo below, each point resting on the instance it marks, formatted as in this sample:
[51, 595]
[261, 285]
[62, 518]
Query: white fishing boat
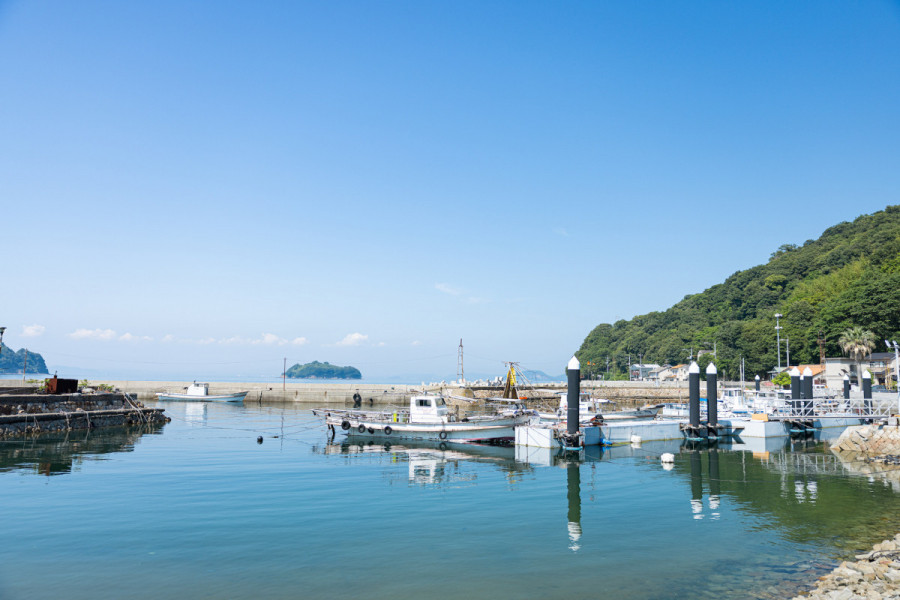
[427, 418]
[199, 392]
[596, 408]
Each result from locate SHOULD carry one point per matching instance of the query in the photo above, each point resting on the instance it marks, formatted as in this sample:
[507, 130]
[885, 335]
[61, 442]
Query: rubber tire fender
[361, 428]
[388, 430]
[345, 425]
[443, 435]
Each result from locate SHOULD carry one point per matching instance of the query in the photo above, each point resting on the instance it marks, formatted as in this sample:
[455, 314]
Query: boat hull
[239, 397]
[493, 431]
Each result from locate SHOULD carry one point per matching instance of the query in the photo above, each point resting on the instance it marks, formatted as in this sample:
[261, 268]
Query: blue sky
[201, 189]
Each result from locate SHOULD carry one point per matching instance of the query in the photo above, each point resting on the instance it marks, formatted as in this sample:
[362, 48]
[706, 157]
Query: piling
[807, 391]
[573, 395]
[867, 391]
[712, 399]
[796, 394]
[757, 383]
[846, 387]
[694, 395]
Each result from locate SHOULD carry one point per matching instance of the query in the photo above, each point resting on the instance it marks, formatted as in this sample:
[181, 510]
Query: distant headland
[15, 362]
[325, 370]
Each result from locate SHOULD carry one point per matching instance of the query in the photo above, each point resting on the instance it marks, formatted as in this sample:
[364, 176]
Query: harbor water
[198, 508]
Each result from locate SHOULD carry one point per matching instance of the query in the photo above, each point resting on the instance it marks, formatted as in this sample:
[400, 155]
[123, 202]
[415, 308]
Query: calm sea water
[198, 509]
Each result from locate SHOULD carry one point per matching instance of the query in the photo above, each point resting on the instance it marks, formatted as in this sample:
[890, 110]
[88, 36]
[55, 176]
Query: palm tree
[857, 343]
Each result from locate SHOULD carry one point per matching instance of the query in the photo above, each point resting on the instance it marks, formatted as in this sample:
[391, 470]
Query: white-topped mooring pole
[712, 399]
[867, 391]
[807, 392]
[757, 383]
[796, 392]
[573, 395]
[846, 387]
[694, 394]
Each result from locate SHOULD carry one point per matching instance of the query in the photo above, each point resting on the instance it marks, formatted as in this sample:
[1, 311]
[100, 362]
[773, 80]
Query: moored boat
[199, 392]
[427, 418]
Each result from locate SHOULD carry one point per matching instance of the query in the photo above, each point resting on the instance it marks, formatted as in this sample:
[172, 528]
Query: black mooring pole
[757, 383]
[694, 394]
[807, 392]
[712, 399]
[867, 391]
[846, 387]
[573, 394]
[796, 393]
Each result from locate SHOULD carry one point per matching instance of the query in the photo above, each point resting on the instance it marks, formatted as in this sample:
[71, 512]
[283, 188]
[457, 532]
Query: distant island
[14, 362]
[318, 370]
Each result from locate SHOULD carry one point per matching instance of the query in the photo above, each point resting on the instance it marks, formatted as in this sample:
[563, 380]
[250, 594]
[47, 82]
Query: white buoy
[636, 440]
[667, 458]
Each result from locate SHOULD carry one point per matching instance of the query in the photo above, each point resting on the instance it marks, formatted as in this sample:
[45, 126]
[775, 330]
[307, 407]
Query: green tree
[857, 343]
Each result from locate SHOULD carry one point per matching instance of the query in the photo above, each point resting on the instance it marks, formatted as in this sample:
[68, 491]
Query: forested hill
[850, 276]
[325, 370]
[13, 362]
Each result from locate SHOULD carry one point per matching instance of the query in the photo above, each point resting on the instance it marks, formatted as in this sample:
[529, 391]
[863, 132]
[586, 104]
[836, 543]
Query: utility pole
[778, 338]
[460, 372]
[607, 366]
[821, 341]
[787, 345]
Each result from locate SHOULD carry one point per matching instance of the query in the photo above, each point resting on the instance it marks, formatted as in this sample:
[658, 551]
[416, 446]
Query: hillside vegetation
[850, 276]
[325, 370]
[13, 362]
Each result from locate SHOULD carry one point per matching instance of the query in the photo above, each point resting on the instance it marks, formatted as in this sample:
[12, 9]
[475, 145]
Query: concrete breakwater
[331, 394]
[22, 414]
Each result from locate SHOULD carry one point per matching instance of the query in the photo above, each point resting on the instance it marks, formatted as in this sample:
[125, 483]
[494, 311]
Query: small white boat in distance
[427, 418]
[199, 392]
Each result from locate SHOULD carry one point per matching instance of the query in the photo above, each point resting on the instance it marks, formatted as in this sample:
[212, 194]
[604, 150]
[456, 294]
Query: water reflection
[432, 464]
[64, 452]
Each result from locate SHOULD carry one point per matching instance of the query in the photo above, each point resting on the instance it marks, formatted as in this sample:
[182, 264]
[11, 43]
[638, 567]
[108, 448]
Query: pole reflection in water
[696, 485]
[714, 489]
[573, 476]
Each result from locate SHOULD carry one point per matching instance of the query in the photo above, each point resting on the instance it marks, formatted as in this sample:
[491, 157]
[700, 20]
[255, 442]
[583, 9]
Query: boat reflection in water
[64, 452]
[432, 464]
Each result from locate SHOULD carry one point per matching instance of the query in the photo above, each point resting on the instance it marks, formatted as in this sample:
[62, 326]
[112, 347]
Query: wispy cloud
[168, 338]
[33, 330]
[299, 341]
[447, 289]
[128, 337]
[561, 231]
[93, 334]
[415, 343]
[353, 339]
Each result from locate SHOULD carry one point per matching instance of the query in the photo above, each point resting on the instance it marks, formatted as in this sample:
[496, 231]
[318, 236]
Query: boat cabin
[198, 389]
[428, 409]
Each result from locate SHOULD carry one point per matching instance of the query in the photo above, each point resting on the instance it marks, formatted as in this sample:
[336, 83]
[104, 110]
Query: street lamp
[778, 338]
[892, 345]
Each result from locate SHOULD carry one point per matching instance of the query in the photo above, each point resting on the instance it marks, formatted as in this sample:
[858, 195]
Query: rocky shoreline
[874, 451]
[874, 575]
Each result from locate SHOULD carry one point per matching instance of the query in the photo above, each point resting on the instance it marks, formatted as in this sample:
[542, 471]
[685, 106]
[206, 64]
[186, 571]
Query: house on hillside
[640, 372]
[669, 373]
[881, 365]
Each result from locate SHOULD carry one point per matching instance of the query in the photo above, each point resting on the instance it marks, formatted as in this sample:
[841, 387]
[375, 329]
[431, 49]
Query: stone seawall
[23, 414]
[870, 440]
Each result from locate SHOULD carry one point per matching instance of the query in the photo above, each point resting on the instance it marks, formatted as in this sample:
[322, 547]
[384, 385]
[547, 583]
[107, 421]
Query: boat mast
[460, 372]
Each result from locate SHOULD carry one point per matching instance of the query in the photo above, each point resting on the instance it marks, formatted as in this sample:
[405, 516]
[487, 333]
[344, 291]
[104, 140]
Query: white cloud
[299, 341]
[353, 339]
[447, 289]
[127, 337]
[168, 338]
[205, 341]
[380, 344]
[33, 330]
[416, 343]
[93, 334]
[270, 339]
